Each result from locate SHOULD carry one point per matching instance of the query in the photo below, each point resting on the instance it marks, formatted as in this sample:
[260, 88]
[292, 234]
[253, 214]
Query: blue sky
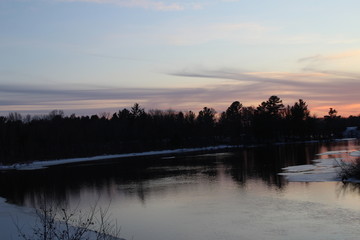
[92, 56]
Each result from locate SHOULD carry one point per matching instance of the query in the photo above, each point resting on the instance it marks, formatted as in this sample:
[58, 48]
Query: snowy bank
[12, 216]
[44, 164]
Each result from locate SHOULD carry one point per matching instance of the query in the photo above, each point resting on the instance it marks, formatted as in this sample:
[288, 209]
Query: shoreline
[36, 165]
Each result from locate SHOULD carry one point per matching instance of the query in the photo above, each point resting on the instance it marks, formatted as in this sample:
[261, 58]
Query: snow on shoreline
[12, 216]
[44, 164]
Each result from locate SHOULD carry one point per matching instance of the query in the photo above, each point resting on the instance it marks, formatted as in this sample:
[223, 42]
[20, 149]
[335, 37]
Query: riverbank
[35, 165]
[44, 164]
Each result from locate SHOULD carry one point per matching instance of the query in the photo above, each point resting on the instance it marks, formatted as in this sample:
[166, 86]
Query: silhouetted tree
[334, 125]
[267, 119]
[124, 114]
[233, 112]
[298, 120]
[206, 117]
[137, 111]
[231, 121]
[332, 113]
[300, 111]
[56, 114]
[271, 107]
[58, 136]
[14, 116]
[190, 118]
[206, 123]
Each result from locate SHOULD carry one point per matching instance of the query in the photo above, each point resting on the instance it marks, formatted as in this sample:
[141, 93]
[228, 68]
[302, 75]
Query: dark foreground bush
[55, 223]
[350, 171]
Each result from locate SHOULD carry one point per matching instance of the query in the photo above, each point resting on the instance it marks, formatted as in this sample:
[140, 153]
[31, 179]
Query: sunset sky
[92, 56]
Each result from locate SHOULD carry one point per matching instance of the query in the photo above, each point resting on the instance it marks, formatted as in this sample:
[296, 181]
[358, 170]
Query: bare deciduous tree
[55, 223]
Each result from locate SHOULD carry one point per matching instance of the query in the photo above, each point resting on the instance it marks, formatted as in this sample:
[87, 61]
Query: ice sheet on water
[299, 168]
[323, 170]
[334, 152]
[328, 162]
[344, 139]
[314, 177]
[326, 159]
[319, 165]
[355, 154]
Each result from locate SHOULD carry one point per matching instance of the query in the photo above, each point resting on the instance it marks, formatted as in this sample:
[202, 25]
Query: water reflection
[347, 188]
[230, 195]
[144, 177]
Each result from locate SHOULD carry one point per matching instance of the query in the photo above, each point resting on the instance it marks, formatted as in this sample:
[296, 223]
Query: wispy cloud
[322, 89]
[330, 57]
[310, 58]
[342, 65]
[27, 97]
[341, 55]
[294, 79]
[342, 74]
[166, 5]
[146, 4]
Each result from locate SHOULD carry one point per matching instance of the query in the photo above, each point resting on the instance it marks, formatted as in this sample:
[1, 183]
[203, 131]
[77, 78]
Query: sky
[92, 56]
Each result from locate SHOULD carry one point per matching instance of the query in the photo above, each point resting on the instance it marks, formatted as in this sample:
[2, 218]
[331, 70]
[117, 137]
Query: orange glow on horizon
[342, 110]
[318, 109]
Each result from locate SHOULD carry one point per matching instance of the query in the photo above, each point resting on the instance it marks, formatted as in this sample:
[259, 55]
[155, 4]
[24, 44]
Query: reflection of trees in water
[31, 187]
[338, 145]
[267, 161]
[145, 176]
[130, 177]
[347, 187]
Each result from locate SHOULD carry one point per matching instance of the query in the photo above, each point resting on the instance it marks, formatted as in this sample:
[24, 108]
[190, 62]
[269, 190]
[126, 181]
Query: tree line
[55, 135]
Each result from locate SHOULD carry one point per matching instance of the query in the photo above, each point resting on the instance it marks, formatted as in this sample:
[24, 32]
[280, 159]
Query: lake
[235, 194]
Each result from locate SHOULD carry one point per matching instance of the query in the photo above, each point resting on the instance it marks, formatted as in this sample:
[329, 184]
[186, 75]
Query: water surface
[227, 195]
